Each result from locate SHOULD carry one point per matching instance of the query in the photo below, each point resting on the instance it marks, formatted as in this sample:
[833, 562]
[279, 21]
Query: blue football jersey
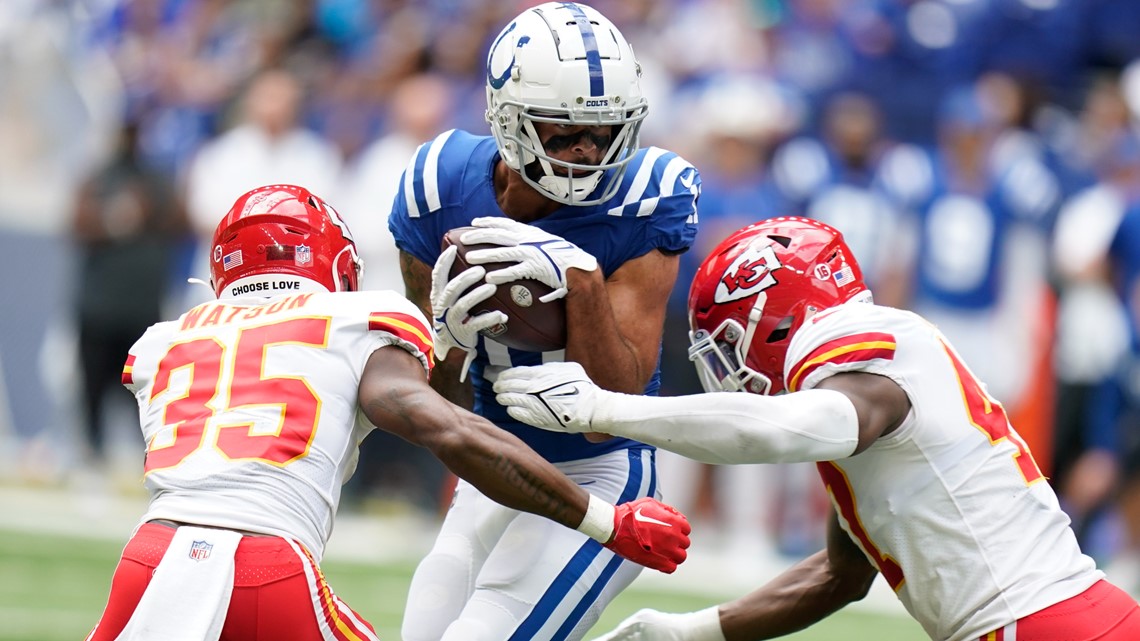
[449, 182]
[962, 235]
[1125, 255]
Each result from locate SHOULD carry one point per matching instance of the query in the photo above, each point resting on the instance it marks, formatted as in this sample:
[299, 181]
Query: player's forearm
[813, 425]
[508, 472]
[496, 462]
[804, 594]
[593, 338]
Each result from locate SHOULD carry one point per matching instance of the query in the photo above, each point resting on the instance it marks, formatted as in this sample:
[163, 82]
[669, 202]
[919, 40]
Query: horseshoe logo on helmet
[498, 80]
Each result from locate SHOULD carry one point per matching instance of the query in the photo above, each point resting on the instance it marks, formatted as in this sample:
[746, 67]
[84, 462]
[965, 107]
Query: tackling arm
[395, 396]
[808, 592]
[844, 416]
[724, 428]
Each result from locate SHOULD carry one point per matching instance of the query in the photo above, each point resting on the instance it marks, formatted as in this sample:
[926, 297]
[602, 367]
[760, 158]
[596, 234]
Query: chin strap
[564, 187]
[199, 281]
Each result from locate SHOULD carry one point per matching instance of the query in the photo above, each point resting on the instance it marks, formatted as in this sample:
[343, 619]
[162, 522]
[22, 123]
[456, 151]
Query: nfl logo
[200, 550]
[303, 255]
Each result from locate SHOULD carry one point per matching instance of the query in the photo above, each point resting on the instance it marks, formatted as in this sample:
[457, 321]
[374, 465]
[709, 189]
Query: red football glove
[651, 533]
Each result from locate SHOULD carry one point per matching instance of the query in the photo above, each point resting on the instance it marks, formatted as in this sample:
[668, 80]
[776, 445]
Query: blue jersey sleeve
[431, 186]
[674, 228]
[660, 191]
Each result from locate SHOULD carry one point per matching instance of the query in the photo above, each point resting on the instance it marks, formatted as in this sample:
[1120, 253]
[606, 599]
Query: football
[532, 325]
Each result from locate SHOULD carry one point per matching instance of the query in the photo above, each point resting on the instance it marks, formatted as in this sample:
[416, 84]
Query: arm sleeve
[734, 428]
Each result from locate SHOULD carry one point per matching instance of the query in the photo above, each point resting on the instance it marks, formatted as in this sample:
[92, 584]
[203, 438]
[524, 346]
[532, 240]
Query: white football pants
[497, 574]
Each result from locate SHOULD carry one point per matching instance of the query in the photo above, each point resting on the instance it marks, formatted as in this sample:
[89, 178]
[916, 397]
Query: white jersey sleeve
[249, 407]
[950, 507]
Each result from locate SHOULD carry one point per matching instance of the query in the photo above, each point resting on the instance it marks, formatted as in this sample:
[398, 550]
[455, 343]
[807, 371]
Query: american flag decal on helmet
[844, 276]
[231, 260]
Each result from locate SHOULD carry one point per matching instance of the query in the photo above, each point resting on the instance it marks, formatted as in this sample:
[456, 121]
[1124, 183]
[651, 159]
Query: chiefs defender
[932, 487]
[252, 408]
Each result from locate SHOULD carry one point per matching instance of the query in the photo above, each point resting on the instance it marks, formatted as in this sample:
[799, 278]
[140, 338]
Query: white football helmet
[563, 62]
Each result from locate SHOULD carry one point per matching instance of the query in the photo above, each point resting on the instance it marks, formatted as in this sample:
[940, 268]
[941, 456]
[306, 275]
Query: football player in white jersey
[252, 407]
[931, 485]
[563, 188]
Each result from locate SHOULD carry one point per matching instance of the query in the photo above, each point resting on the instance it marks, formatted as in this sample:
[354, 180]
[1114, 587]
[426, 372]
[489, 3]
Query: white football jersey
[249, 406]
[950, 506]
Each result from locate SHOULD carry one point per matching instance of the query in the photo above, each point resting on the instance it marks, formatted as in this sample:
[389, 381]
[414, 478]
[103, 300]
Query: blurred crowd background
[981, 156]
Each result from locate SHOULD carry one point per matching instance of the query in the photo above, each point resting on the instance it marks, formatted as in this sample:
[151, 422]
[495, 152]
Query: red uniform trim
[405, 327]
[847, 349]
[129, 370]
[839, 486]
[342, 627]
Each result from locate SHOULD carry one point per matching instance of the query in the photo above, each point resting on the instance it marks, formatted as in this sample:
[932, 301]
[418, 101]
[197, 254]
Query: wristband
[703, 625]
[598, 524]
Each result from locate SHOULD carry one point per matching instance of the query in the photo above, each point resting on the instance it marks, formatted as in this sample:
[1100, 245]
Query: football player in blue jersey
[565, 191]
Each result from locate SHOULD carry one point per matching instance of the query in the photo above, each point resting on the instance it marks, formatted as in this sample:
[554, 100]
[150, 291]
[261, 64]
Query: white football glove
[559, 397]
[651, 625]
[537, 254]
[451, 308]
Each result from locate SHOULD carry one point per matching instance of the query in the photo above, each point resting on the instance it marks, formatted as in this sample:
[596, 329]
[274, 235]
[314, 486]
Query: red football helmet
[282, 238]
[754, 292]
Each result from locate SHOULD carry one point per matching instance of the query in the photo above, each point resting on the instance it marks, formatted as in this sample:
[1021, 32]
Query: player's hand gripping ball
[532, 325]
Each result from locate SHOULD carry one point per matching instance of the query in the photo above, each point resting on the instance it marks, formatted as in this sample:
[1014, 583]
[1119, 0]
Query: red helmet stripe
[848, 349]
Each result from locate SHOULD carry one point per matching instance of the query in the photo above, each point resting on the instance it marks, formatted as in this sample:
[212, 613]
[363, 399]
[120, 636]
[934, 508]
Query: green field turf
[53, 588]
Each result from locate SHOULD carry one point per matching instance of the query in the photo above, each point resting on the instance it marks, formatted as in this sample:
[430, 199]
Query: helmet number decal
[751, 273]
